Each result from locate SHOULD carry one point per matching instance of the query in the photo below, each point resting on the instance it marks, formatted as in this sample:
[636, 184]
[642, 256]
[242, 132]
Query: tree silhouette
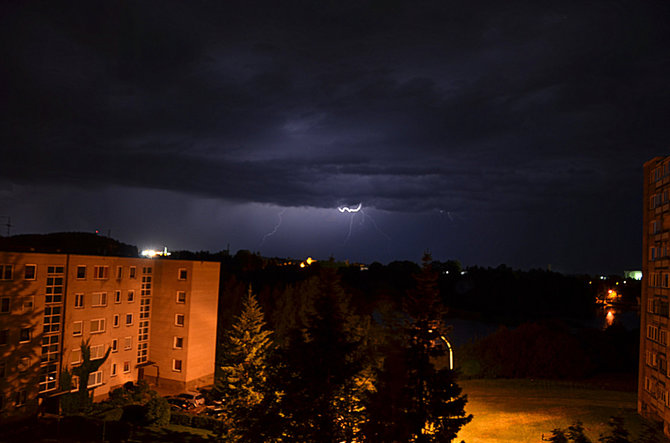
[244, 369]
[82, 399]
[415, 400]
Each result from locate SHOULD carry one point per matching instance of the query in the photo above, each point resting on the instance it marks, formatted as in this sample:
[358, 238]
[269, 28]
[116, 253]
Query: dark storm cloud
[496, 107]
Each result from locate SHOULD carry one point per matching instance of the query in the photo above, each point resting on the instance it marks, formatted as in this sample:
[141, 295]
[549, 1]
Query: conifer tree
[416, 401]
[244, 370]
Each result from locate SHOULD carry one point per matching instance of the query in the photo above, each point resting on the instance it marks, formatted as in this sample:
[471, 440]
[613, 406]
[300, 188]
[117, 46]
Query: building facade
[158, 317]
[654, 378]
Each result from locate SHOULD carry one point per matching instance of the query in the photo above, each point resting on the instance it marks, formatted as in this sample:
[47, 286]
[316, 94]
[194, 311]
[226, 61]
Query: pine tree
[322, 373]
[244, 369]
[416, 401]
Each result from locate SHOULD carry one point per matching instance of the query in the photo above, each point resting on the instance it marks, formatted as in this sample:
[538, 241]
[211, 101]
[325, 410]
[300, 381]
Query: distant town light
[151, 253]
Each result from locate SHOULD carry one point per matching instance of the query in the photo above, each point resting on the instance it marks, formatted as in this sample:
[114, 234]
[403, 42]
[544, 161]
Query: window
[78, 301]
[29, 272]
[132, 271]
[176, 365]
[24, 364]
[21, 398]
[126, 366]
[4, 305]
[25, 334]
[101, 272]
[182, 274]
[95, 379]
[113, 373]
[127, 343]
[178, 343]
[4, 337]
[119, 272]
[5, 272]
[28, 304]
[81, 272]
[75, 356]
[129, 319]
[77, 328]
[52, 319]
[115, 345]
[99, 299]
[50, 348]
[97, 325]
[55, 270]
[131, 296]
[117, 297]
[115, 321]
[3, 369]
[97, 352]
[181, 297]
[179, 319]
[54, 288]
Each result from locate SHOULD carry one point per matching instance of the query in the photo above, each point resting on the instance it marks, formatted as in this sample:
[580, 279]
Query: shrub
[158, 411]
[179, 418]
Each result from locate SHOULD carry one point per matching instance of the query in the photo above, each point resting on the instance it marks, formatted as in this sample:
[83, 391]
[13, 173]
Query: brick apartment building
[158, 316]
[654, 379]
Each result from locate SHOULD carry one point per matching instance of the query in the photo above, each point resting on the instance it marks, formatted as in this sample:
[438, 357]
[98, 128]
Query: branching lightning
[274, 231]
[353, 211]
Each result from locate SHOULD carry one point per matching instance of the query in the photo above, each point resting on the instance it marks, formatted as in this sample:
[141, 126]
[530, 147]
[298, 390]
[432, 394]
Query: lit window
[29, 272]
[115, 321]
[115, 345]
[129, 319]
[25, 334]
[179, 319]
[176, 365]
[97, 325]
[131, 296]
[117, 297]
[181, 297]
[182, 274]
[81, 272]
[78, 300]
[99, 299]
[95, 379]
[179, 342]
[132, 271]
[77, 328]
[128, 343]
[6, 272]
[101, 272]
[5, 305]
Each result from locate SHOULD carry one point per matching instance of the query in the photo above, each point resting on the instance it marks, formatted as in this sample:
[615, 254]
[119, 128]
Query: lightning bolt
[274, 231]
[347, 209]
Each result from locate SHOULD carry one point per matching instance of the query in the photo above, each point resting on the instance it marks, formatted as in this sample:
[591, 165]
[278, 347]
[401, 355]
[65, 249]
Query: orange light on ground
[610, 317]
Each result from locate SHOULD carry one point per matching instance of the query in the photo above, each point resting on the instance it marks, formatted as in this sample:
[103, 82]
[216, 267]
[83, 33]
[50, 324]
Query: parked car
[195, 398]
[179, 404]
[214, 411]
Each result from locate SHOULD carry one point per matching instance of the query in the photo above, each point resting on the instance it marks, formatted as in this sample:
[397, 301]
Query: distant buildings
[158, 316]
[654, 380]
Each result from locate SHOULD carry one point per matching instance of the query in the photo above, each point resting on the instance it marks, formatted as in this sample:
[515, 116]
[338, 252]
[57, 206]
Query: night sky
[487, 132]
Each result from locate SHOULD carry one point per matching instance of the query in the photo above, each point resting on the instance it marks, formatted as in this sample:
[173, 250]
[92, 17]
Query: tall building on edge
[654, 379]
[158, 316]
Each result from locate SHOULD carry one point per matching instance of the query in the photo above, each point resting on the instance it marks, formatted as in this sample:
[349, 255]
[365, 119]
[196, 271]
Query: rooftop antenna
[9, 223]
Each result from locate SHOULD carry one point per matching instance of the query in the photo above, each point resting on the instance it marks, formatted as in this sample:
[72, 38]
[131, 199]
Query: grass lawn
[523, 410]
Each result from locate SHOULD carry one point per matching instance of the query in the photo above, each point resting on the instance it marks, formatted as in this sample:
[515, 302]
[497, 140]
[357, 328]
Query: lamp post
[451, 352]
